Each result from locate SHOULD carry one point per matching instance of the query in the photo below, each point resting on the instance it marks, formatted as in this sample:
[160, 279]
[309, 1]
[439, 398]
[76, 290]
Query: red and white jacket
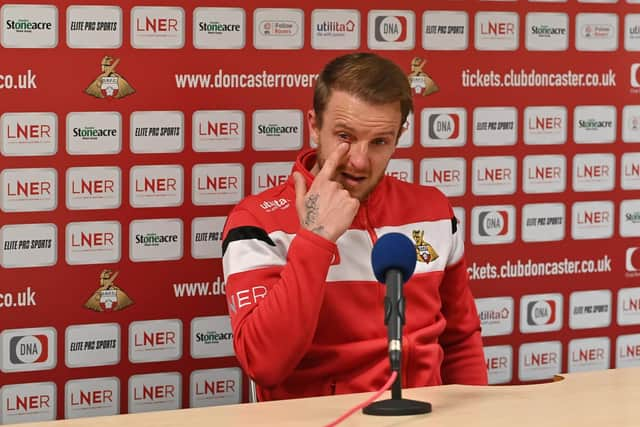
[307, 314]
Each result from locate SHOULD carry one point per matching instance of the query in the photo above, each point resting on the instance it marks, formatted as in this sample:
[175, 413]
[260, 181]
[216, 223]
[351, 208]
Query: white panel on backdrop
[94, 132]
[275, 130]
[211, 337]
[493, 224]
[596, 32]
[29, 134]
[156, 240]
[630, 218]
[631, 123]
[539, 360]
[29, 190]
[494, 175]
[628, 351]
[155, 340]
[206, 237]
[42, 403]
[495, 126]
[545, 125]
[217, 184]
[278, 28]
[497, 30]
[443, 127]
[157, 132]
[219, 28]
[499, 361]
[30, 349]
[218, 130]
[29, 26]
[592, 220]
[547, 31]
[155, 392]
[335, 29]
[448, 174]
[543, 222]
[269, 175]
[590, 309]
[94, 188]
[213, 387]
[632, 260]
[460, 215]
[588, 354]
[445, 30]
[401, 169]
[95, 242]
[629, 300]
[96, 344]
[406, 139]
[496, 315]
[541, 313]
[594, 172]
[594, 124]
[28, 245]
[94, 27]
[156, 186]
[391, 29]
[544, 174]
[92, 397]
[632, 32]
[630, 171]
[154, 27]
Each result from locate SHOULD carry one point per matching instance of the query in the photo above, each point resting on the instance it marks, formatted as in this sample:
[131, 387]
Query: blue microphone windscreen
[393, 250]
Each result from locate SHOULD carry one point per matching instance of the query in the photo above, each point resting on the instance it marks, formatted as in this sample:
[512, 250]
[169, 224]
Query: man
[306, 310]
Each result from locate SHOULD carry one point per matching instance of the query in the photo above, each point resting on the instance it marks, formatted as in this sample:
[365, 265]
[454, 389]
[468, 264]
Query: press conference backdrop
[130, 129]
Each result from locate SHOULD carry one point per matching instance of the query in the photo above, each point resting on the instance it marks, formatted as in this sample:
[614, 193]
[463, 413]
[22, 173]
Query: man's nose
[358, 155]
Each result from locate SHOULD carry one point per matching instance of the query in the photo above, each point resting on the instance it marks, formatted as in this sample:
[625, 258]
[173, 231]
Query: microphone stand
[394, 319]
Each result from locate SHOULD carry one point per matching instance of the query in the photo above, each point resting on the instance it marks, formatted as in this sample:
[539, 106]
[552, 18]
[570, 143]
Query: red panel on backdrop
[130, 130]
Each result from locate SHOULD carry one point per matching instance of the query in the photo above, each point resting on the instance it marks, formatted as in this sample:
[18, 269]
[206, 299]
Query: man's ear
[312, 123]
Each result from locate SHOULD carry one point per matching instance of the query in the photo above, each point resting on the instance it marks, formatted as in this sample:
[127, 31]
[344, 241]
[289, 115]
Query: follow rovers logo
[424, 250]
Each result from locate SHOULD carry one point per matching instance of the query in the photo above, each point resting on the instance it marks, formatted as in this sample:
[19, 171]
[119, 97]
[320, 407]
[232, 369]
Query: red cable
[350, 412]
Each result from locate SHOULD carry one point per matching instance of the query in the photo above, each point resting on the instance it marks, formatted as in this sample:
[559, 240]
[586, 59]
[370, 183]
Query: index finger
[330, 165]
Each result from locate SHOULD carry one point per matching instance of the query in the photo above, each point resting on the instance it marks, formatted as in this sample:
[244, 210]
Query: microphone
[393, 260]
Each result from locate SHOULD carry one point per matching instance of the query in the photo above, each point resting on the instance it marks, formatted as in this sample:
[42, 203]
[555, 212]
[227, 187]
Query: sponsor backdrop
[129, 130]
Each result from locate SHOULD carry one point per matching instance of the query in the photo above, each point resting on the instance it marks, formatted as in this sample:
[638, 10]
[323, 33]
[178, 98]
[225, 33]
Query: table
[598, 399]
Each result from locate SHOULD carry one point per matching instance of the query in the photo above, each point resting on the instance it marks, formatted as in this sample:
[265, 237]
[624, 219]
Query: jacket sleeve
[275, 287]
[461, 340]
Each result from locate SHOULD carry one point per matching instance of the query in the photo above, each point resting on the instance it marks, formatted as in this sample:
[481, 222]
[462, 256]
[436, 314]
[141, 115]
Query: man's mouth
[352, 179]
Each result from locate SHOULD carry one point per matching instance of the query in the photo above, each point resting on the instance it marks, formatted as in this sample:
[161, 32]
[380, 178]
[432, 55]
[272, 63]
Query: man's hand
[327, 208]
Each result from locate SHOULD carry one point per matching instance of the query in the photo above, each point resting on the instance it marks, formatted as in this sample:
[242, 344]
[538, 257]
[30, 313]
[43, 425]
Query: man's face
[372, 132]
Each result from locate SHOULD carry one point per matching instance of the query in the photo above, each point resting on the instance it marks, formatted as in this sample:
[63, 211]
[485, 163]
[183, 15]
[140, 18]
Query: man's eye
[379, 141]
[343, 136]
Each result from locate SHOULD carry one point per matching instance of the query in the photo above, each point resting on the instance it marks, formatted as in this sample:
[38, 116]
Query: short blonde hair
[368, 76]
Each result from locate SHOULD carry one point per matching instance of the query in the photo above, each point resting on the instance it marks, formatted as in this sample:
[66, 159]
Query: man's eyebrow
[344, 126]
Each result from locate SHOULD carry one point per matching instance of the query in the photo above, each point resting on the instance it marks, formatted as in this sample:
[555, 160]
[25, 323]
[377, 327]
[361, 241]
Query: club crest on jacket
[424, 250]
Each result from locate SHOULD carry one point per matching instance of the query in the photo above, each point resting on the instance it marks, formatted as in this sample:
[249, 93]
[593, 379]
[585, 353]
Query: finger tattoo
[311, 203]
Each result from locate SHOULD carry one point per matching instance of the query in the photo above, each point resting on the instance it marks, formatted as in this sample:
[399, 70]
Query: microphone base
[393, 407]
